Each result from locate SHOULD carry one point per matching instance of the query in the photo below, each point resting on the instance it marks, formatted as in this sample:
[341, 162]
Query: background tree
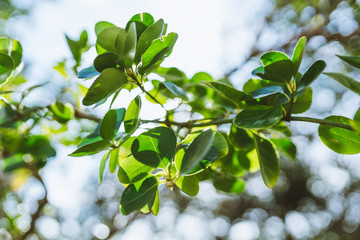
[296, 197]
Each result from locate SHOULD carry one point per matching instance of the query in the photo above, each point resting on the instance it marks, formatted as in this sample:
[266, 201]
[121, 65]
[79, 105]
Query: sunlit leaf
[62, 112]
[6, 67]
[346, 81]
[179, 92]
[91, 148]
[188, 184]
[108, 124]
[280, 71]
[114, 154]
[131, 121]
[229, 185]
[286, 146]
[16, 52]
[125, 46]
[298, 53]
[273, 56]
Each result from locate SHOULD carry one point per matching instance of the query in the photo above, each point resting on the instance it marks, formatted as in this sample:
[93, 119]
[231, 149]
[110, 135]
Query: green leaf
[286, 146]
[108, 125]
[120, 115]
[4, 45]
[6, 67]
[156, 204]
[298, 53]
[201, 76]
[125, 46]
[229, 185]
[101, 26]
[102, 166]
[76, 47]
[132, 121]
[258, 116]
[355, 124]
[91, 148]
[269, 160]
[39, 146]
[179, 92]
[151, 33]
[114, 154]
[311, 74]
[228, 92]
[240, 138]
[155, 147]
[280, 71]
[157, 51]
[87, 73]
[188, 184]
[346, 81]
[196, 151]
[109, 81]
[16, 52]
[267, 91]
[107, 37]
[105, 60]
[131, 170]
[137, 195]
[144, 18]
[273, 56]
[340, 140]
[62, 112]
[302, 103]
[354, 61]
[170, 74]
[357, 115]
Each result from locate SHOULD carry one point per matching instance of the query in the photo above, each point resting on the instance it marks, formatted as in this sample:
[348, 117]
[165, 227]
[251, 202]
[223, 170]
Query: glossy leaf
[179, 92]
[6, 67]
[280, 71]
[109, 81]
[229, 185]
[258, 116]
[137, 195]
[16, 52]
[346, 81]
[108, 124]
[114, 154]
[286, 146]
[102, 166]
[240, 138]
[188, 184]
[340, 140]
[99, 26]
[107, 37]
[196, 151]
[131, 121]
[151, 33]
[227, 91]
[155, 147]
[298, 53]
[354, 61]
[87, 73]
[131, 170]
[269, 160]
[157, 51]
[311, 74]
[302, 103]
[125, 46]
[144, 18]
[105, 60]
[273, 56]
[267, 91]
[91, 148]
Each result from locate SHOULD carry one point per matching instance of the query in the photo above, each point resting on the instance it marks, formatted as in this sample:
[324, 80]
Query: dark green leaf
[39, 146]
[107, 37]
[258, 116]
[156, 147]
[280, 71]
[241, 138]
[188, 184]
[311, 74]
[196, 151]
[228, 92]
[87, 73]
[76, 47]
[137, 195]
[269, 160]
[131, 121]
[109, 81]
[229, 185]
[302, 103]
[286, 146]
[340, 140]
[267, 91]
[354, 61]
[151, 33]
[179, 92]
[108, 125]
[105, 60]
[298, 53]
[274, 56]
[91, 148]
[346, 81]
[125, 46]
[142, 22]
[157, 51]
[102, 166]
[120, 115]
[6, 67]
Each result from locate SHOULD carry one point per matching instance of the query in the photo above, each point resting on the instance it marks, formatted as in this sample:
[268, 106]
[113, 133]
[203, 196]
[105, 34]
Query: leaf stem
[319, 121]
